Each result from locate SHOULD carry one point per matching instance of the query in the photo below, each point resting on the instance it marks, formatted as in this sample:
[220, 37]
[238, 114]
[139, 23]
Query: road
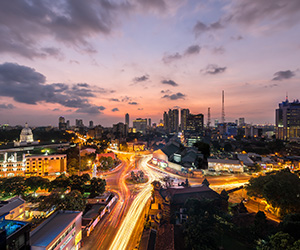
[104, 232]
[122, 228]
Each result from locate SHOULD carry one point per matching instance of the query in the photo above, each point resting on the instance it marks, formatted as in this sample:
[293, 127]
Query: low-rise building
[62, 230]
[45, 165]
[224, 165]
[13, 208]
[14, 234]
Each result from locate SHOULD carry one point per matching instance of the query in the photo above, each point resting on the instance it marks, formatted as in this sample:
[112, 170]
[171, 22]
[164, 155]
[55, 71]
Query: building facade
[140, 125]
[127, 119]
[195, 123]
[288, 121]
[173, 116]
[62, 230]
[46, 165]
[184, 117]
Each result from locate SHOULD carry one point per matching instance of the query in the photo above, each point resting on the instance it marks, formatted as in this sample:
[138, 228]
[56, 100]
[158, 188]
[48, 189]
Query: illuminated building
[62, 230]
[171, 120]
[217, 165]
[45, 165]
[12, 164]
[184, 117]
[26, 137]
[140, 125]
[288, 121]
[195, 123]
[13, 208]
[14, 234]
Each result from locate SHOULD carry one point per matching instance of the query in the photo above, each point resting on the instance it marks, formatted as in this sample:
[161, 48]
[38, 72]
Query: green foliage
[281, 190]
[36, 182]
[204, 225]
[260, 224]
[106, 163]
[291, 225]
[61, 182]
[72, 201]
[97, 187]
[13, 186]
[138, 177]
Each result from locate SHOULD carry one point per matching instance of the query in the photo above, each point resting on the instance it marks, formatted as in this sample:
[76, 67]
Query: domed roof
[26, 130]
[26, 134]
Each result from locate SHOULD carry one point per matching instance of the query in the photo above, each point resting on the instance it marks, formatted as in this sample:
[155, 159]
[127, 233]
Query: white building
[225, 165]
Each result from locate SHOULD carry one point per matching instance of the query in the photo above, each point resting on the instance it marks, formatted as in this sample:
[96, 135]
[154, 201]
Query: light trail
[126, 229]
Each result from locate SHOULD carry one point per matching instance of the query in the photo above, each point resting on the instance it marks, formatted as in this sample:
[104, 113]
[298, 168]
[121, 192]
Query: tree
[72, 201]
[97, 187]
[14, 186]
[291, 225]
[36, 182]
[61, 182]
[281, 190]
[260, 224]
[281, 241]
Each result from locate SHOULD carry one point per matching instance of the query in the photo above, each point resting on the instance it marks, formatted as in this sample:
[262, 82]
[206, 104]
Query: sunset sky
[97, 60]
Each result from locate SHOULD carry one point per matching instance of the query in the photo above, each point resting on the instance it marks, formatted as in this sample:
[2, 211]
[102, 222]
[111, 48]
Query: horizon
[99, 61]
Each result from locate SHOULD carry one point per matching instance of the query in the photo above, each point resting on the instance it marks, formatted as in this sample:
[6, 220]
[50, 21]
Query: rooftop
[7, 206]
[45, 233]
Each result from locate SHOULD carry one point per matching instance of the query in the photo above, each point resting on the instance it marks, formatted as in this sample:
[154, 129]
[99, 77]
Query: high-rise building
[61, 123]
[173, 115]
[91, 124]
[184, 116]
[149, 122]
[120, 129]
[241, 121]
[140, 125]
[68, 124]
[127, 119]
[288, 120]
[195, 123]
[79, 123]
[166, 121]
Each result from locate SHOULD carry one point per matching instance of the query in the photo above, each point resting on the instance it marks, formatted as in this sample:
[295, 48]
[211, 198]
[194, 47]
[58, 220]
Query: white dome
[26, 134]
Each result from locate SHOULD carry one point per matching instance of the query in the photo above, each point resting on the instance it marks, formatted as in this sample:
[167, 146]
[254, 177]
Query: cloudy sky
[99, 59]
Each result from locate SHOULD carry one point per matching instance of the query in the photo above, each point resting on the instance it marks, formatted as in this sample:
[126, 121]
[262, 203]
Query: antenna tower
[208, 118]
[223, 110]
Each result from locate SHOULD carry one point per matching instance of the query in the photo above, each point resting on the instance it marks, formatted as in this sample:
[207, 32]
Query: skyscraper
[288, 120]
[140, 125]
[127, 119]
[195, 123]
[184, 116]
[61, 123]
[241, 122]
[173, 120]
[166, 121]
[91, 124]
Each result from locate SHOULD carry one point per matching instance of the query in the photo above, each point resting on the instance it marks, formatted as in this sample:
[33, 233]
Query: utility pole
[223, 109]
[208, 118]
[79, 159]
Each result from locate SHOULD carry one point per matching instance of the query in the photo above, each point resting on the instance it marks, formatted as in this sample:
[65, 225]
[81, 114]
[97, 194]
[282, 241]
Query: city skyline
[101, 60]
